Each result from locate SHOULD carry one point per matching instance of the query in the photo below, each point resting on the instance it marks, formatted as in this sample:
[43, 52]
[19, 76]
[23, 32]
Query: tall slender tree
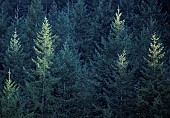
[40, 87]
[33, 23]
[82, 30]
[14, 58]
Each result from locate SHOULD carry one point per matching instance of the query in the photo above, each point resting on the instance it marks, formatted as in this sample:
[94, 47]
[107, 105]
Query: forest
[84, 59]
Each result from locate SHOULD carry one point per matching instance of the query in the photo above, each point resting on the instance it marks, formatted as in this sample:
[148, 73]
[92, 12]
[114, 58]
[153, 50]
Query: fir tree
[118, 40]
[150, 94]
[73, 87]
[33, 23]
[82, 30]
[40, 88]
[113, 78]
[10, 99]
[102, 17]
[118, 37]
[14, 58]
[62, 23]
[118, 92]
[4, 19]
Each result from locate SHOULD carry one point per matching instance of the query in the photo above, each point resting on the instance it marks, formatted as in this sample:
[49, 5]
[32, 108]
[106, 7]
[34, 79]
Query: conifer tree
[118, 37]
[102, 17]
[33, 23]
[150, 94]
[14, 58]
[152, 11]
[118, 40]
[10, 99]
[114, 78]
[68, 71]
[118, 92]
[4, 19]
[82, 30]
[40, 87]
[52, 15]
[73, 86]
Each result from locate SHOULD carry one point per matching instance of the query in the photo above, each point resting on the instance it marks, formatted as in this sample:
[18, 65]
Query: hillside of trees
[84, 59]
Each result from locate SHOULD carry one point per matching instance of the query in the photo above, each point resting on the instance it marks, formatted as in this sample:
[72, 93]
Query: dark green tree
[33, 23]
[102, 15]
[115, 79]
[82, 30]
[73, 87]
[117, 40]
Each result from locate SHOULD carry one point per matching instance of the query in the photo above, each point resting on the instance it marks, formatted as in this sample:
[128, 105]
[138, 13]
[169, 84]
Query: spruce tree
[73, 87]
[102, 17]
[113, 77]
[4, 19]
[4, 22]
[14, 58]
[82, 30]
[151, 92]
[39, 89]
[33, 22]
[10, 100]
[118, 92]
[117, 40]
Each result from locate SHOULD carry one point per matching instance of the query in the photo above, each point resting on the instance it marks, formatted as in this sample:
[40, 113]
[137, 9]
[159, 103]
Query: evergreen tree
[113, 78]
[150, 94]
[152, 11]
[14, 58]
[102, 17]
[61, 21]
[52, 15]
[40, 88]
[118, 40]
[10, 99]
[82, 30]
[73, 87]
[33, 23]
[4, 19]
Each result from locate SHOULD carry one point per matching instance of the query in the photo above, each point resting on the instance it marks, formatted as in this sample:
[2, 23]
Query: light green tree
[14, 58]
[10, 99]
[151, 103]
[40, 87]
[155, 66]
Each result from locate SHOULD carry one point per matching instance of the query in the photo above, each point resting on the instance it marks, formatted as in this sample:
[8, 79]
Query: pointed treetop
[14, 42]
[155, 53]
[118, 23]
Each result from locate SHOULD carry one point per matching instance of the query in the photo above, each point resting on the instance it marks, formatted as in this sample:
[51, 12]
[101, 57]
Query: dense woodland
[84, 59]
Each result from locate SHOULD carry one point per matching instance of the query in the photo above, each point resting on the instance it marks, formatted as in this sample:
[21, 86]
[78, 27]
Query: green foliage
[40, 88]
[14, 58]
[4, 19]
[80, 74]
[152, 90]
[10, 99]
[33, 23]
[44, 49]
[83, 33]
[118, 40]
[155, 66]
